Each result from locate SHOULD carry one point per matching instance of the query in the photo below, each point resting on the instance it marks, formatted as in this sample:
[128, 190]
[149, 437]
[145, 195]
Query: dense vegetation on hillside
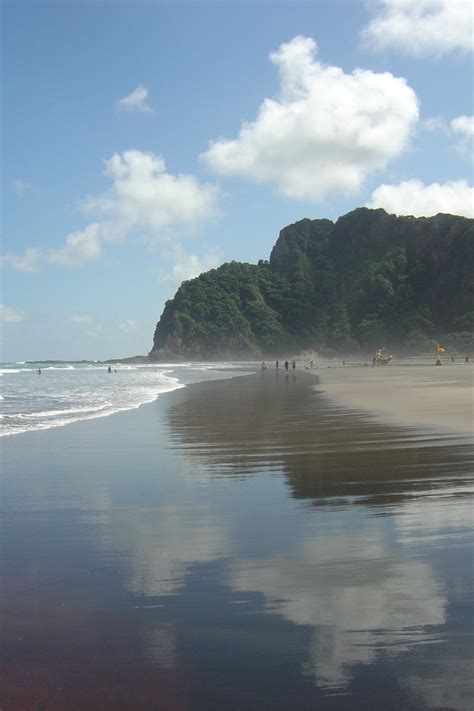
[368, 280]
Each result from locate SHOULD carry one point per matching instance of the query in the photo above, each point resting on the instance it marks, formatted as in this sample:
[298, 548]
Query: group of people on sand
[277, 365]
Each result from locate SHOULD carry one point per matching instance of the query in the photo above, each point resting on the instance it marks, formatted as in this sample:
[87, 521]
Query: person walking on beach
[264, 367]
[287, 365]
[39, 371]
[452, 359]
[109, 369]
[293, 365]
[276, 365]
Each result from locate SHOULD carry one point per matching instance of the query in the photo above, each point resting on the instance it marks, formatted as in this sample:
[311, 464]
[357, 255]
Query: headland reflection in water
[245, 544]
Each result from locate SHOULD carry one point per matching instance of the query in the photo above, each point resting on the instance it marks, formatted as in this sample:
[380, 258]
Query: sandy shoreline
[422, 394]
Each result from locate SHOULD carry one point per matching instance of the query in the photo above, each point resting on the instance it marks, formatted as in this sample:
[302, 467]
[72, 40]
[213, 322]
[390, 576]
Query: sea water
[64, 392]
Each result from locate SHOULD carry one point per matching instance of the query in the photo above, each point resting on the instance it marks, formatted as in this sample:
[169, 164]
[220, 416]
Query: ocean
[65, 392]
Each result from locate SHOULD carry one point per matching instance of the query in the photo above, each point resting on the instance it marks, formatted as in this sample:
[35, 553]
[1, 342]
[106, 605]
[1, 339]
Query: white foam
[89, 392]
[69, 416]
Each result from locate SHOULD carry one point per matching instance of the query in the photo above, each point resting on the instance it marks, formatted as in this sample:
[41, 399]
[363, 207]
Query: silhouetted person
[109, 369]
[293, 365]
[276, 364]
[343, 362]
[466, 359]
[264, 367]
[287, 365]
[452, 359]
[39, 371]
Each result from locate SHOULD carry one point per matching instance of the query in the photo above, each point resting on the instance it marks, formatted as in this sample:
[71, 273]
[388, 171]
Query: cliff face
[369, 279]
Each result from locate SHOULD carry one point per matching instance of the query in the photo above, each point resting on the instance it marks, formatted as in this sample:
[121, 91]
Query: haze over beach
[237, 356]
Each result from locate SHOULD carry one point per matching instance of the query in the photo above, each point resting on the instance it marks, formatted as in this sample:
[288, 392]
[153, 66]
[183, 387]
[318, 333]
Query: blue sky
[144, 142]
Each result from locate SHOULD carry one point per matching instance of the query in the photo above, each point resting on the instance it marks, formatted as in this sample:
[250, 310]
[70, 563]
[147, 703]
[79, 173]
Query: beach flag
[441, 348]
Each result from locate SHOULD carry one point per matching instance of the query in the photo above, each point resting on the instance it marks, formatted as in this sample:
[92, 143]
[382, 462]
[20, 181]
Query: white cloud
[82, 318]
[412, 197]
[27, 261]
[9, 315]
[21, 186]
[146, 197]
[128, 326]
[136, 101]
[463, 128]
[186, 266]
[80, 248]
[327, 130]
[463, 125]
[424, 27]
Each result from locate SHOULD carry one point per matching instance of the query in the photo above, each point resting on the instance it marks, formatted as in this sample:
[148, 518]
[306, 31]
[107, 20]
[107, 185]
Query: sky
[146, 142]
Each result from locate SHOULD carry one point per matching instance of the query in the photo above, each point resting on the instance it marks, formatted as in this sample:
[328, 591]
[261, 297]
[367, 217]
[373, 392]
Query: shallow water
[46, 394]
[248, 544]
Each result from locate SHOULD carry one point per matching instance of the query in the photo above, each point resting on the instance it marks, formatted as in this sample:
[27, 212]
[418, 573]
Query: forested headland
[368, 280]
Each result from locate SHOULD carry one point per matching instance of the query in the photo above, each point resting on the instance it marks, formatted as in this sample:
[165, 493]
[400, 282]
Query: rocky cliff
[367, 280]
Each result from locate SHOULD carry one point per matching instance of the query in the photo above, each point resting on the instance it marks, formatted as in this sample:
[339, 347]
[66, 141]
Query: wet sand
[242, 544]
[424, 395]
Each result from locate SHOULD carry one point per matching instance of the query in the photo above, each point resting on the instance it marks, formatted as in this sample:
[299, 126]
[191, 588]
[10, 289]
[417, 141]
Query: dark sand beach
[243, 544]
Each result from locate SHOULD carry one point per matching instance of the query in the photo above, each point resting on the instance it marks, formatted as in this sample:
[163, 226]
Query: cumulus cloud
[326, 131]
[145, 196]
[413, 197]
[136, 101]
[9, 315]
[425, 27]
[81, 247]
[143, 199]
[27, 261]
[463, 125]
[186, 265]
